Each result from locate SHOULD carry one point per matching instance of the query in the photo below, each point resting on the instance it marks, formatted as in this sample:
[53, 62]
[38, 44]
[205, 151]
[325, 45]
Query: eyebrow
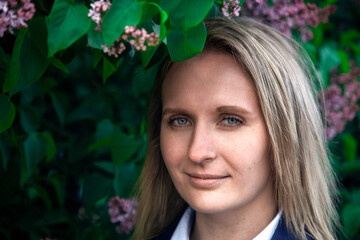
[221, 109]
[233, 109]
[174, 110]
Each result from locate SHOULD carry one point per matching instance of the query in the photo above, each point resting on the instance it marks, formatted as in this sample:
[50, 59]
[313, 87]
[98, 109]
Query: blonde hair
[284, 80]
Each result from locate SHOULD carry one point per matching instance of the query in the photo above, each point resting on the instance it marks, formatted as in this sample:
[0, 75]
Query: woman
[236, 147]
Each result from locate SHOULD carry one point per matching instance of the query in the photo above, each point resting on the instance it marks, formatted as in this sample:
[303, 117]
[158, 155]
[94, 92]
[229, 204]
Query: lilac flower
[139, 38]
[14, 14]
[341, 105]
[230, 8]
[98, 9]
[123, 211]
[115, 49]
[285, 15]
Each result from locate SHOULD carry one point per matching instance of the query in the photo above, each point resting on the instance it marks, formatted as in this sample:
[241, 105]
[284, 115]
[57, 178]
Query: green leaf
[58, 64]
[96, 187]
[126, 13]
[50, 146]
[350, 216]
[150, 10]
[95, 38]
[350, 148]
[44, 196]
[33, 65]
[7, 113]
[329, 58]
[104, 129]
[349, 37]
[311, 50]
[38, 34]
[348, 169]
[52, 218]
[105, 166]
[108, 69]
[29, 119]
[123, 147]
[344, 64]
[13, 71]
[35, 150]
[5, 155]
[67, 23]
[60, 194]
[183, 46]
[318, 35]
[93, 107]
[125, 177]
[121, 13]
[186, 14]
[101, 143]
[58, 101]
[97, 56]
[148, 54]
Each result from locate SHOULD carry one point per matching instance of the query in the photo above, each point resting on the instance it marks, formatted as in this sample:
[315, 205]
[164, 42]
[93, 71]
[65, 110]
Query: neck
[241, 224]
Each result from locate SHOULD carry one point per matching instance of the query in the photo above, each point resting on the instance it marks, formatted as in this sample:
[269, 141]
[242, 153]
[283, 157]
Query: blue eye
[231, 121]
[179, 122]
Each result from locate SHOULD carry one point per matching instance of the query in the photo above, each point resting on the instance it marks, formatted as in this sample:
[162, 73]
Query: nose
[201, 147]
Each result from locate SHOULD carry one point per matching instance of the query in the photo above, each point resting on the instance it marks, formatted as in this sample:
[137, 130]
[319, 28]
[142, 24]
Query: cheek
[248, 153]
[170, 147]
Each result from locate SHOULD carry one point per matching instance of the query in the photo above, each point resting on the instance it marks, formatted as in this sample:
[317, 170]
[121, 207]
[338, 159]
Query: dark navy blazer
[281, 232]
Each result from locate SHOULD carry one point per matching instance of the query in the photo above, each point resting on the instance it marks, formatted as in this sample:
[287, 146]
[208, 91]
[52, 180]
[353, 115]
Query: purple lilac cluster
[83, 215]
[230, 8]
[139, 38]
[123, 211]
[97, 11]
[341, 99]
[285, 15]
[14, 14]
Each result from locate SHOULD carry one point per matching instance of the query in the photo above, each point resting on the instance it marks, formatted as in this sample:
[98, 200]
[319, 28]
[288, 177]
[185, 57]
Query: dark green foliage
[72, 119]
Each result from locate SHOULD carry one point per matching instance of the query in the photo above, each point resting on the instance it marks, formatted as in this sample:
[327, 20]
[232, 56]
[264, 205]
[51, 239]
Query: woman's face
[213, 137]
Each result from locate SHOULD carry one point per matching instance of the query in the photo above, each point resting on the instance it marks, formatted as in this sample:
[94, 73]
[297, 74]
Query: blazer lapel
[282, 233]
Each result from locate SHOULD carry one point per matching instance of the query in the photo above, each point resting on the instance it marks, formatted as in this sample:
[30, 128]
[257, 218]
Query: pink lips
[206, 180]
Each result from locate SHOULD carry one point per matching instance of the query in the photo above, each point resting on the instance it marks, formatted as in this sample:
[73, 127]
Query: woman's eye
[179, 122]
[231, 121]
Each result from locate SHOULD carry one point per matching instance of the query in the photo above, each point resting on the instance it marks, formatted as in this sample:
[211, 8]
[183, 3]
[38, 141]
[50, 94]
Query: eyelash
[238, 123]
[176, 118]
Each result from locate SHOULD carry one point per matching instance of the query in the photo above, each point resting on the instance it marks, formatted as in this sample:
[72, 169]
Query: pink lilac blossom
[97, 11]
[123, 211]
[83, 215]
[230, 8]
[14, 14]
[139, 38]
[286, 15]
[341, 99]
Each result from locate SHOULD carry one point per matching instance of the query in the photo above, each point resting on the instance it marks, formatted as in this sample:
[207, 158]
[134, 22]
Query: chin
[209, 205]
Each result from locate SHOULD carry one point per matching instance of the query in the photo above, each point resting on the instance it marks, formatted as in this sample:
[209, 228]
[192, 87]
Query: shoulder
[283, 233]
[166, 235]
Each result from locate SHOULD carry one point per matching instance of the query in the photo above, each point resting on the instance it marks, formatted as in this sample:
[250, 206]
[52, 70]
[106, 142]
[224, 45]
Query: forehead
[212, 78]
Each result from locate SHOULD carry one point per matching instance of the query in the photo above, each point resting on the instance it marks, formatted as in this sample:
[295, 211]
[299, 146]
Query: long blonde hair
[284, 80]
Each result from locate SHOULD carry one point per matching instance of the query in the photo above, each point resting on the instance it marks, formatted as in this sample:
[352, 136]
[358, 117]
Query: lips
[206, 181]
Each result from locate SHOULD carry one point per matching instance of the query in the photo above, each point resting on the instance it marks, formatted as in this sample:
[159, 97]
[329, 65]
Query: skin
[215, 145]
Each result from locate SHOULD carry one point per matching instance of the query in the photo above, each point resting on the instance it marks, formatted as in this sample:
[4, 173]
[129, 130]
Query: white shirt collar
[183, 229]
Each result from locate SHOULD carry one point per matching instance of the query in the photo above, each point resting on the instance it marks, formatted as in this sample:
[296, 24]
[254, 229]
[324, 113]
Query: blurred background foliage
[72, 118]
